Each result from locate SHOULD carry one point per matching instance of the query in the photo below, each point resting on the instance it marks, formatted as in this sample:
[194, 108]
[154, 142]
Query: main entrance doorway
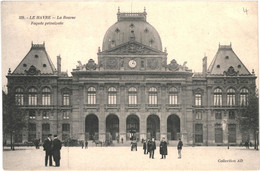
[132, 126]
[112, 127]
[91, 127]
[173, 127]
[153, 127]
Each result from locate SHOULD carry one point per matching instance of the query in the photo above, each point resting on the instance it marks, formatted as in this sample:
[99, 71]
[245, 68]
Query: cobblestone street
[111, 158]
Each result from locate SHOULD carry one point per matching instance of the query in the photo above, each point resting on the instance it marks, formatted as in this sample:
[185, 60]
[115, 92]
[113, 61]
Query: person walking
[152, 147]
[86, 144]
[163, 148]
[179, 147]
[144, 146]
[56, 150]
[47, 147]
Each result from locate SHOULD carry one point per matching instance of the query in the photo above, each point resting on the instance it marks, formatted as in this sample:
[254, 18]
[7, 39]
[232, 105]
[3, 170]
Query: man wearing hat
[56, 150]
[47, 147]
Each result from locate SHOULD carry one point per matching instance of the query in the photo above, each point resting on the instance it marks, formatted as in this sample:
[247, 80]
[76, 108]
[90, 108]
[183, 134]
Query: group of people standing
[150, 146]
[52, 149]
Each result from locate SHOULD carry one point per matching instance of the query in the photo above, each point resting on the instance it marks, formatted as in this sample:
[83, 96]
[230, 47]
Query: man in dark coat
[144, 146]
[47, 147]
[179, 147]
[86, 144]
[151, 148]
[163, 148]
[56, 150]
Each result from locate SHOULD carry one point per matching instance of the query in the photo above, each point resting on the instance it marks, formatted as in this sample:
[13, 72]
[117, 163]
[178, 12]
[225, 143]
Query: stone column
[101, 115]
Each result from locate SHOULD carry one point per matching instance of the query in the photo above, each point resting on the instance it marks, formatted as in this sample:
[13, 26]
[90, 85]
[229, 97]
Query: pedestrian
[247, 144]
[56, 150]
[152, 147]
[47, 147]
[163, 148]
[179, 147]
[86, 144]
[147, 145]
[122, 140]
[82, 144]
[144, 146]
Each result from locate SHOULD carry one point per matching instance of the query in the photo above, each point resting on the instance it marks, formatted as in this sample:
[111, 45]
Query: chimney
[59, 64]
[204, 66]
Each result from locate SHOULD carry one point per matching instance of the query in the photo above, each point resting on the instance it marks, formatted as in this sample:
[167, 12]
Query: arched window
[231, 97]
[217, 97]
[91, 95]
[243, 96]
[173, 96]
[46, 96]
[32, 97]
[19, 97]
[152, 99]
[111, 96]
[132, 96]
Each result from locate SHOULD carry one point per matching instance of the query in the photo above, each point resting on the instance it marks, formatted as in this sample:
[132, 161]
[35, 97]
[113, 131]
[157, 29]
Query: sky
[189, 30]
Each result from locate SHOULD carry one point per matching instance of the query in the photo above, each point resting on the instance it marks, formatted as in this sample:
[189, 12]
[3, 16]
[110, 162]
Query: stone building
[132, 88]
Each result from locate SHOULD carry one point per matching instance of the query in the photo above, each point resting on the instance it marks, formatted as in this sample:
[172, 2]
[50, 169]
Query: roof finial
[253, 71]
[218, 44]
[32, 43]
[99, 49]
[230, 44]
[43, 43]
[144, 9]
[118, 9]
[165, 50]
[9, 71]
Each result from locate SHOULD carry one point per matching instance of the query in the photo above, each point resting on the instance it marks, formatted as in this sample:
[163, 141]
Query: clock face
[132, 63]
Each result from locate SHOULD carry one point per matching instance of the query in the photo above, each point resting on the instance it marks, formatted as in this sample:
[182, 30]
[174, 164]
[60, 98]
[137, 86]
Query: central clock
[132, 63]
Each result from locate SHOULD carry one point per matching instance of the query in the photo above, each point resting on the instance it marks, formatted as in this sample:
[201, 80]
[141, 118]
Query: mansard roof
[36, 62]
[226, 62]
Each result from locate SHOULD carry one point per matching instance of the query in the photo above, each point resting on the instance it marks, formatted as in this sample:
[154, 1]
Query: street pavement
[122, 158]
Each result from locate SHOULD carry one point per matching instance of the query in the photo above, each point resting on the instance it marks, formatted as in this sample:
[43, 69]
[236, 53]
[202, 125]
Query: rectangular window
[173, 99]
[153, 99]
[231, 99]
[46, 99]
[218, 115]
[66, 114]
[132, 99]
[231, 133]
[45, 114]
[198, 116]
[218, 133]
[197, 99]
[111, 99]
[198, 133]
[19, 99]
[217, 99]
[45, 127]
[66, 99]
[231, 115]
[32, 114]
[65, 127]
[91, 98]
[32, 99]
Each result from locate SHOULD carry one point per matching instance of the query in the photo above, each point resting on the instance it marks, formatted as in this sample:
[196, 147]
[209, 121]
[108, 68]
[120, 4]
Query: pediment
[132, 48]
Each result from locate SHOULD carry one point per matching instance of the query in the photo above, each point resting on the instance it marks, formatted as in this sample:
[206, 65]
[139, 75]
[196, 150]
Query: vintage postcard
[129, 85]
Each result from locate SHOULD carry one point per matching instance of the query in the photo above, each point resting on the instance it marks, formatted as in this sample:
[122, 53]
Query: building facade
[132, 88]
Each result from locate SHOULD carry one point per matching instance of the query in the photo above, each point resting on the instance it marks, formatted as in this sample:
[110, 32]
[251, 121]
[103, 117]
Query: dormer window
[117, 30]
[36, 56]
[218, 66]
[239, 66]
[227, 57]
[146, 30]
[132, 25]
[44, 65]
[24, 65]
